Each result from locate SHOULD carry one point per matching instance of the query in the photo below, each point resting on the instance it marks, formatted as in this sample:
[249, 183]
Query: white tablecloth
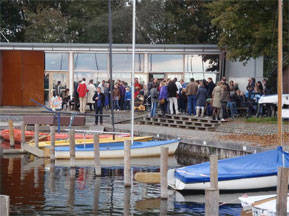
[273, 99]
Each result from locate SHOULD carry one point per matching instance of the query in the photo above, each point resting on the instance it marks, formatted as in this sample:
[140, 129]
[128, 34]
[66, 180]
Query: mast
[280, 71]
[110, 64]
[132, 72]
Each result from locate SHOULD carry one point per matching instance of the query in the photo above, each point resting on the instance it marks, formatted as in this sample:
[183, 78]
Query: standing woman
[91, 90]
[201, 99]
[217, 97]
[163, 97]
[116, 97]
[106, 95]
[154, 100]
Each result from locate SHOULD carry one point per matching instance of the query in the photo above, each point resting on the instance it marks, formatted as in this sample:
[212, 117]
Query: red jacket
[82, 89]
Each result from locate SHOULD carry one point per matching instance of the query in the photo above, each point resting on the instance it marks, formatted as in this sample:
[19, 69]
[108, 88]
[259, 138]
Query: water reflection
[71, 190]
[48, 189]
[126, 205]
[52, 176]
[97, 182]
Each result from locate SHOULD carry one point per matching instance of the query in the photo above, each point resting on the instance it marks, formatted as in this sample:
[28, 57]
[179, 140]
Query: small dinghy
[261, 205]
[89, 142]
[29, 135]
[249, 172]
[116, 150]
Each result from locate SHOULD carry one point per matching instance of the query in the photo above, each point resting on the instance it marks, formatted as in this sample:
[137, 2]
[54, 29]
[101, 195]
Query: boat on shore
[29, 135]
[249, 172]
[116, 150]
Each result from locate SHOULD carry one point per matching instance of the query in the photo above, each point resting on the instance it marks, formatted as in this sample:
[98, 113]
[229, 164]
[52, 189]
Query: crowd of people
[201, 98]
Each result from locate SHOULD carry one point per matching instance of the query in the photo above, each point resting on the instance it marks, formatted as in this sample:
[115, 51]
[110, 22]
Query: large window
[166, 63]
[56, 61]
[122, 63]
[201, 67]
[90, 62]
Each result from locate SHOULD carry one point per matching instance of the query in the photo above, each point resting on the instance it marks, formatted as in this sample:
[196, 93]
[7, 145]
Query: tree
[248, 28]
[46, 25]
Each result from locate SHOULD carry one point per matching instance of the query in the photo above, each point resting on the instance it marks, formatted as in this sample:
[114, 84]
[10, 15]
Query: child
[127, 98]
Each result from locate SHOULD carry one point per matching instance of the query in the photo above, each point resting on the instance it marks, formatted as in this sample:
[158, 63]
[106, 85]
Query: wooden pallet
[180, 121]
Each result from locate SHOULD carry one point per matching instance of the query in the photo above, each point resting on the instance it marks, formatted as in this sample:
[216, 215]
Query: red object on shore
[29, 135]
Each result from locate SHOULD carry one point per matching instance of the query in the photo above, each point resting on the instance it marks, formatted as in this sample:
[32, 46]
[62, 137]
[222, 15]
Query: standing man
[58, 88]
[172, 95]
[99, 103]
[102, 86]
[91, 90]
[82, 90]
[191, 91]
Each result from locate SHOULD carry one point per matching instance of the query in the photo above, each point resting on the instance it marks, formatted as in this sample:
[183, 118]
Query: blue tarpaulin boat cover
[248, 166]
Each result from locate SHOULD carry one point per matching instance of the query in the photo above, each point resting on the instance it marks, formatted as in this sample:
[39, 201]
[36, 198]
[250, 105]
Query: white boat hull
[261, 205]
[153, 151]
[237, 184]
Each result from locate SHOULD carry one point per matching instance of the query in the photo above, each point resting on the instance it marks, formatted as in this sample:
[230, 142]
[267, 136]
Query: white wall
[240, 73]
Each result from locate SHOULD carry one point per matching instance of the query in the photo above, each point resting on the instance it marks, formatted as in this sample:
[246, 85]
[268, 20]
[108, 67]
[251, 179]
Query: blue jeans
[116, 104]
[127, 104]
[192, 100]
[231, 105]
[154, 109]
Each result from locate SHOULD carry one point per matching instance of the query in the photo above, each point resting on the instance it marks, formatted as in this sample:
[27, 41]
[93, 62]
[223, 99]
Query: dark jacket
[210, 88]
[154, 94]
[172, 89]
[201, 96]
[100, 97]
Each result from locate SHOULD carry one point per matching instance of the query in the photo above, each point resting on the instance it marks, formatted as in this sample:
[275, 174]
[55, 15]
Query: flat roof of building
[95, 47]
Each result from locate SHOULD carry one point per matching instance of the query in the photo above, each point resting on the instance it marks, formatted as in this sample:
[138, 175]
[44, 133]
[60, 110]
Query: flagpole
[133, 69]
[280, 71]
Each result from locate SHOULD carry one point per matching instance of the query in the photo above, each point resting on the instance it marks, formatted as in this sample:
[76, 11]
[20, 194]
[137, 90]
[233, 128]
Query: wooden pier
[182, 121]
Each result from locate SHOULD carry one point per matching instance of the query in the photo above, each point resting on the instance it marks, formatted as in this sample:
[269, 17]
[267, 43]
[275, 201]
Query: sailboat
[250, 172]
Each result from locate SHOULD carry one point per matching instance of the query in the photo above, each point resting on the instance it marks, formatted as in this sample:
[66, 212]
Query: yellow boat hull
[87, 141]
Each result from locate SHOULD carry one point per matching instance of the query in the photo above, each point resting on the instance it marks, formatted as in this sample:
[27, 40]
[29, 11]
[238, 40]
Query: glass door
[58, 79]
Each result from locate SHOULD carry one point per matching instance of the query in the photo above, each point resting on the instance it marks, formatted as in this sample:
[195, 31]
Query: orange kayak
[29, 135]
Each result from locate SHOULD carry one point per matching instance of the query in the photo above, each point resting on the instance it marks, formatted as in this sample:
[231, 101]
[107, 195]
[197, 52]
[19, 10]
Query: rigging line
[4, 36]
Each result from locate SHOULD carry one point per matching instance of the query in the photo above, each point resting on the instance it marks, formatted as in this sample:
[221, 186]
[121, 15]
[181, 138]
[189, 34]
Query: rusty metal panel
[11, 80]
[23, 77]
[33, 77]
[52, 120]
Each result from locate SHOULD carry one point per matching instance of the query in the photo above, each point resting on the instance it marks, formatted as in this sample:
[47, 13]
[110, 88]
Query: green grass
[271, 120]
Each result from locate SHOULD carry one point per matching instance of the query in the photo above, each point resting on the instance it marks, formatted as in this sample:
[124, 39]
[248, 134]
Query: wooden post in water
[71, 192]
[126, 200]
[282, 191]
[214, 171]
[22, 134]
[52, 176]
[52, 145]
[72, 147]
[97, 182]
[164, 172]
[4, 205]
[164, 207]
[96, 155]
[127, 176]
[212, 193]
[11, 133]
[36, 135]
